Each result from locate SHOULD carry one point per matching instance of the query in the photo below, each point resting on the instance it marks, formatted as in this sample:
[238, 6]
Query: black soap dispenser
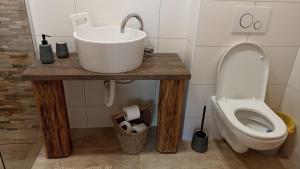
[46, 52]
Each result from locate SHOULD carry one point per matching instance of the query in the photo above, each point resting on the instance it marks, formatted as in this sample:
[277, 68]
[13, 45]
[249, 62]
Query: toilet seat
[243, 73]
[231, 106]
[240, 113]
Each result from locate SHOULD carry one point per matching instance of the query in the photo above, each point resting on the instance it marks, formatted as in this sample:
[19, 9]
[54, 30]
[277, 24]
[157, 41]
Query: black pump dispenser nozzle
[44, 41]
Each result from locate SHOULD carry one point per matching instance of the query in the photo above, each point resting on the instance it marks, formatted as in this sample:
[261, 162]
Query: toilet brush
[203, 117]
[200, 138]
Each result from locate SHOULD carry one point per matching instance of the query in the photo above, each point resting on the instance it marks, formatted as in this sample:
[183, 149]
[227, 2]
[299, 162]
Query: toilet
[241, 116]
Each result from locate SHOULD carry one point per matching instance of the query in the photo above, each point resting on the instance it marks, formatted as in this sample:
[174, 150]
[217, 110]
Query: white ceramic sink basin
[106, 50]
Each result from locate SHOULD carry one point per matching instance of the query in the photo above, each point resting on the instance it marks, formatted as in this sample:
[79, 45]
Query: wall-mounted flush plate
[251, 19]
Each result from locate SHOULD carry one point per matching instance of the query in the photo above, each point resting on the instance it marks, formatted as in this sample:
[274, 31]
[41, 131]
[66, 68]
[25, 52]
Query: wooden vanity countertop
[160, 66]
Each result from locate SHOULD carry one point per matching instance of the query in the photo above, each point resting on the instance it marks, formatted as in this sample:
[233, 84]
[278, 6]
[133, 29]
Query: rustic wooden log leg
[51, 104]
[169, 115]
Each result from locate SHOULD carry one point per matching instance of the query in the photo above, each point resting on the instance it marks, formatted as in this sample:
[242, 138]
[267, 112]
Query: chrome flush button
[246, 20]
[257, 25]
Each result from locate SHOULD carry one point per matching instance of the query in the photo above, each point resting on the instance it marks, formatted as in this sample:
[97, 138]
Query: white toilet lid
[243, 73]
[231, 106]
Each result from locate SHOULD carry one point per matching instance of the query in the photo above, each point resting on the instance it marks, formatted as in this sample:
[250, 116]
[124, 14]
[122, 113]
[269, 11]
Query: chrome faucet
[132, 15]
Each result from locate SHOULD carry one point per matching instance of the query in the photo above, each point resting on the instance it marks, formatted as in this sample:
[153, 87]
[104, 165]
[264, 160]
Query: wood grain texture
[164, 66]
[170, 115]
[51, 104]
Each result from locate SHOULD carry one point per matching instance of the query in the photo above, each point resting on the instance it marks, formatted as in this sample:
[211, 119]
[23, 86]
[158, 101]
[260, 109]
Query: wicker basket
[132, 143]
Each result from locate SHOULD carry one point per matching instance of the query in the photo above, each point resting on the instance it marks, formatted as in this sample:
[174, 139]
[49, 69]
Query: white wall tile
[141, 90]
[53, 40]
[157, 88]
[35, 46]
[112, 12]
[94, 92]
[31, 26]
[100, 116]
[216, 21]
[199, 96]
[295, 75]
[189, 52]
[137, 92]
[173, 18]
[205, 64]
[284, 28]
[193, 19]
[52, 16]
[77, 117]
[282, 1]
[74, 91]
[133, 93]
[173, 46]
[281, 63]
[274, 96]
[154, 115]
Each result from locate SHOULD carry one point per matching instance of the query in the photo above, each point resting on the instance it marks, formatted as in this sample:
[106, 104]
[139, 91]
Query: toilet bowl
[241, 116]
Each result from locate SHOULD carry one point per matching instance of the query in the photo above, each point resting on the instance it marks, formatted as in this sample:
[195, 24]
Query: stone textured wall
[17, 110]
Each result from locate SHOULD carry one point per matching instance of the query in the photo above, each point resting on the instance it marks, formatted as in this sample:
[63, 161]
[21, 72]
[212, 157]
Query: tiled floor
[19, 148]
[91, 151]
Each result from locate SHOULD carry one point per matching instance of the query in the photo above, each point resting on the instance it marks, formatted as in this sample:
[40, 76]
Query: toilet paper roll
[126, 126]
[131, 113]
[139, 128]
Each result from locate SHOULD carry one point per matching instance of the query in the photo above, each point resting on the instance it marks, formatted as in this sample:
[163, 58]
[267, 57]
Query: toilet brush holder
[200, 141]
[200, 138]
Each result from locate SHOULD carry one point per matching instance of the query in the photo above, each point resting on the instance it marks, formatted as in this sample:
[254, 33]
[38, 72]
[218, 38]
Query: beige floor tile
[251, 159]
[287, 164]
[152, 159]
[42, 162]
[98, 148]
[19, 136]
[84, 160]
[19, 147]
[212, 159]
[95, 138]
[229, 159]
[118, 160]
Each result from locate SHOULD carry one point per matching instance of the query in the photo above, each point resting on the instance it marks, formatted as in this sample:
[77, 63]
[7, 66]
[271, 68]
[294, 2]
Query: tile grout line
[158, 32]
[75, 4]
[214, 84]
[158, 37]
[294, 62]
[288, 85]
[282, 97]
[196, 45]
[267, 1]
[85, 104]
[273, 46]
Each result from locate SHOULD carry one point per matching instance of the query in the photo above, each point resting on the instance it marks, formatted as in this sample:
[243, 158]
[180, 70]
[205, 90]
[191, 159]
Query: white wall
[291, 105]
[214, 37]
[165, 24]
